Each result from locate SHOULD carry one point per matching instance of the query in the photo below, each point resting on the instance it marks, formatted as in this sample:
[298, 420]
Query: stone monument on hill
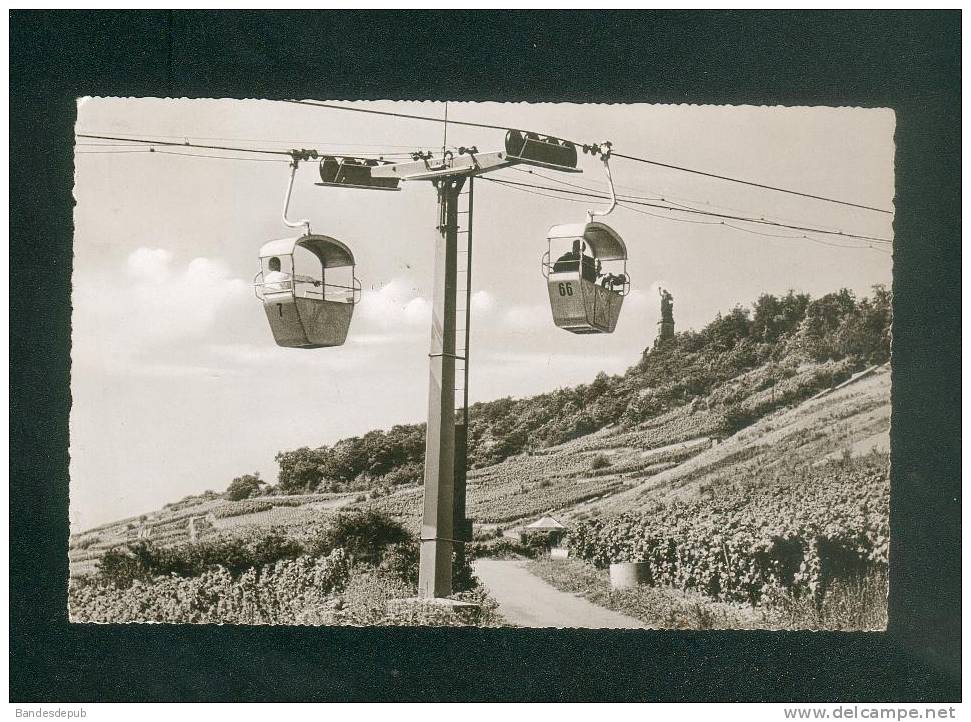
[665, 327]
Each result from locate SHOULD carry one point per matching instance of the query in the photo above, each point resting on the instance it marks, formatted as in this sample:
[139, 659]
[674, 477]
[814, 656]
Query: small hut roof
[546, 522]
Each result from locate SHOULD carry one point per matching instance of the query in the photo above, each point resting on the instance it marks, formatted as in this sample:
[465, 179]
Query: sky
[177, 384]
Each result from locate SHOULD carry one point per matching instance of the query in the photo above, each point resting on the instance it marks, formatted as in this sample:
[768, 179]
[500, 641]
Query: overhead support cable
[159, 151]
[711, 214]
[409, 116]
[176, 144]
[670, 166]
[662, 198]
[751, 183]
[641, 211]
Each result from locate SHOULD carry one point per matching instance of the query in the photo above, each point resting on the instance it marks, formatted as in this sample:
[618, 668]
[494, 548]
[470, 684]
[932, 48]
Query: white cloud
[394, 305]
[150, 313]
[149, 264]
[272, 361]
[399, 304]
[170, 306]
[483, 303]
[418, 311]
[638, 302]
[528, 318]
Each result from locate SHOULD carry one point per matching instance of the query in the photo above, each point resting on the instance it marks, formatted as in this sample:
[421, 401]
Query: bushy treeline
[779, 332]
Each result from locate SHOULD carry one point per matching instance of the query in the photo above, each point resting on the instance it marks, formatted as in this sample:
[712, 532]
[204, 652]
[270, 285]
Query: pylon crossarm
[469, 164]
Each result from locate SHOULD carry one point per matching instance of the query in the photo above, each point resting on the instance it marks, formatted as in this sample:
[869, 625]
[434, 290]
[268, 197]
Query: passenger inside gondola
[569, 260]
[612, 280]
[574, 258]
[277, 280]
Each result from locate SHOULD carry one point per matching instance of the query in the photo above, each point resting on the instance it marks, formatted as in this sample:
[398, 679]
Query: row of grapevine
[797, 533]
[293, 591]
[401, 504]
[240, 508]
[512, 506]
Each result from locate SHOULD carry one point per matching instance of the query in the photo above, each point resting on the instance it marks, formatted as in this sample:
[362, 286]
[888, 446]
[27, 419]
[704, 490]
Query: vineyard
[791, 531]
[195, 518]
[351, 568]
[735, 461]
[297, 591]
[805, 435]
[669, 455]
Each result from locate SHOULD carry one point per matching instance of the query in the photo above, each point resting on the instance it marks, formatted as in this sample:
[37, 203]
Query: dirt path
[527, 601]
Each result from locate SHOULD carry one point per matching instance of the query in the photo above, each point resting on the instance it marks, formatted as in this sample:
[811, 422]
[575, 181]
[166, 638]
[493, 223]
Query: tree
[725, 331]
[245, 486]
[866, 333]
[824, 316]
[300, 470]
[766, 318]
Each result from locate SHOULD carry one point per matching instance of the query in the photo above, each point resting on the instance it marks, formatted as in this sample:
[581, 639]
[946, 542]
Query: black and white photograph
[556, 365]
[423, 356]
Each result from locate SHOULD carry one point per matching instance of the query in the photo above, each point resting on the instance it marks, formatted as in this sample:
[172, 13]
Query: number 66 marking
[566, 289]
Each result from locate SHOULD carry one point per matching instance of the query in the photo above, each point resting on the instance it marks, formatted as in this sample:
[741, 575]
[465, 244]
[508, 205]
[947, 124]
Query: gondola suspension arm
[303, 222]
[605, 157]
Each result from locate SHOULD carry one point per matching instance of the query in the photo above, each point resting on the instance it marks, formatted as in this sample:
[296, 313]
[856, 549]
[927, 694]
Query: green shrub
[405, 474]
[236, 553]
[463, 578]
[245, 486]
[121, 566]
[401, 561]
[480, 534]
[600, 461]
[376, 598]
[368, 594]
[736, 417]
[501, 548]
[484, 612]
[814, 529]
[363, 534]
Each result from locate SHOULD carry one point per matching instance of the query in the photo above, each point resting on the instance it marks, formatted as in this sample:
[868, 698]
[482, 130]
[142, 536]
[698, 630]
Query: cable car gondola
[583, 300]
[308, 311]
[587, 289]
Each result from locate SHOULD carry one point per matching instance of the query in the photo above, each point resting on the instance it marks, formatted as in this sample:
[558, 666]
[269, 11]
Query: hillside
[739, 367]
[702, 407]
[745, 463]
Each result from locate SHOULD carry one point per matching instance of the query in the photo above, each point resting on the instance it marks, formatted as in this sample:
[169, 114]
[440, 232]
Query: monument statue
[667, 305]
[665, 327]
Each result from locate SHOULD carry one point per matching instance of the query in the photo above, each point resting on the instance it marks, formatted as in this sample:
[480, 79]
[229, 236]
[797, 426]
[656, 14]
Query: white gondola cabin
[588, 279]
[311, 310]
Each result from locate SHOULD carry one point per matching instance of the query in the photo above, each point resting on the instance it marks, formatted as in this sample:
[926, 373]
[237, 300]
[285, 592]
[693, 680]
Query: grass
[659, 608]
[853, 605]
[376, 598]
[859, 605]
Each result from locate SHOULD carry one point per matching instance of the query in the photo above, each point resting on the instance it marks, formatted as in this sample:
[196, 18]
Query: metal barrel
[625, 575]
